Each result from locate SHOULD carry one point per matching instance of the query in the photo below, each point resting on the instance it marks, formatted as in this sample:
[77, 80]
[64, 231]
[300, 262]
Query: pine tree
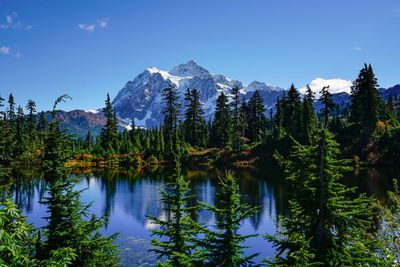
[237, 123]
[279, 130]
[67, 227]
[176, 234]
[309, 117]
[327, 102]
[223, 246]
[171, 113]
[256, 118]
[89, 140]
[11, 108]
[20, 144]
[365, 102]
[221, 125]
[31, 121]
[193, 124]
[292, 113]
[109, 132]
[328, 226]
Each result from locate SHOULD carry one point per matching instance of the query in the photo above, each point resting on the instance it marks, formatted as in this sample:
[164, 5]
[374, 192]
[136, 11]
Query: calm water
[128, 196]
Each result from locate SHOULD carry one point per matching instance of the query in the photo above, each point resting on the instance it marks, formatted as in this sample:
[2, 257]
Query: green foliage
[389, 226]
[327, 102]
[109, 132]
[194, 122]
[222, 246]
[256, 118]
[328, 226]
[365, 103]
[221, 125]
[175, 233]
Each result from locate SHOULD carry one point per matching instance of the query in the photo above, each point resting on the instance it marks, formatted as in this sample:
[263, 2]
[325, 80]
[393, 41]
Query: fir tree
[223, 246]
[365, 102]
[256, 117]
[292, 119]
[176, 234]
[221, 125]
[193, 124]
[171, 113]
[237, 121]
[328, 227]
[327, 102]
[309, 118]
[109, 132]
[67, 227]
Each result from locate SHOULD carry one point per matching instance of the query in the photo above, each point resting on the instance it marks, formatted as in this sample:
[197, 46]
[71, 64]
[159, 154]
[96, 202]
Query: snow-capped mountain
[141, 99]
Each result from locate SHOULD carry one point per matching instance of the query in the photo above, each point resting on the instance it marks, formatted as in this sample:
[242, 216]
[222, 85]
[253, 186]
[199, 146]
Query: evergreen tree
[365, 102]
[292, 113]
[328, 226]
[109, 132]
[31, 121]
[237, 120]
[176, 234]
[256, 118]
[223, 246]
[67, 227]
[327, 102]
[171, 113]
[279, 130]
[89, 140]
[193, 124]
[11, 108]
[309, 118]
[221, 125]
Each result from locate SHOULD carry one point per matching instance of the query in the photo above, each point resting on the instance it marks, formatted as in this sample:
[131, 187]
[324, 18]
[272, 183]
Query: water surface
[129, 195]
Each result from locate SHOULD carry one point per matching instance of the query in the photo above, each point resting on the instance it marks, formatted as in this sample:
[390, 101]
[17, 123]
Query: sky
[89, 48]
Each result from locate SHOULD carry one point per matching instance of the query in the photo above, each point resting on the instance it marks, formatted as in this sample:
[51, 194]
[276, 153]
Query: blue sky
[88, 48]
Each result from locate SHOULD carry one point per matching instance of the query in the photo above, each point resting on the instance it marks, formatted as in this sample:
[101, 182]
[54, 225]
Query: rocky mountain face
[141, 100]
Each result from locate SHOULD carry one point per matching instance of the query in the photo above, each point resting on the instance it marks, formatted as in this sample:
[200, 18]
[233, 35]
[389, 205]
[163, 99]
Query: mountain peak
[190, 68]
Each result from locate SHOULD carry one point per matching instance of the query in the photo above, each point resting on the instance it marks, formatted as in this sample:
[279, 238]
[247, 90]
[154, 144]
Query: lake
[129, 195]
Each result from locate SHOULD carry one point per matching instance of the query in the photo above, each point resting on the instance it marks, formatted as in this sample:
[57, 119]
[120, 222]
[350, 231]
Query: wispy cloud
[357, 48]
[12, 22]
[335, 85]
[102, 23]
[5, 50]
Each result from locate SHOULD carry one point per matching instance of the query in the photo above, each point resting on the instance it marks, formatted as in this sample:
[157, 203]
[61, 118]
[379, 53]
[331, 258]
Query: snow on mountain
[141, 100]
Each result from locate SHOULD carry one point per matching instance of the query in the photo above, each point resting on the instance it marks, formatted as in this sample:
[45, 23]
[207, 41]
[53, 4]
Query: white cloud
[5, 50]
[13, 23]
[9, 19]
[102, 23]
[335, 85]
[357, 48]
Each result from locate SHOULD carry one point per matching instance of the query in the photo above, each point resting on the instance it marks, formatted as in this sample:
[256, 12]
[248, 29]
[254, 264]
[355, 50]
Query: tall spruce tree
[292, 113]
[193, 124]
[109, 132]
[176, 234]
[221, 125]
[256, 118]
[365, 102]
[171, 119]
[309, 117]
[237, 121]
[327, 102]
[70, 226]
[223, 246]
[328, 227]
